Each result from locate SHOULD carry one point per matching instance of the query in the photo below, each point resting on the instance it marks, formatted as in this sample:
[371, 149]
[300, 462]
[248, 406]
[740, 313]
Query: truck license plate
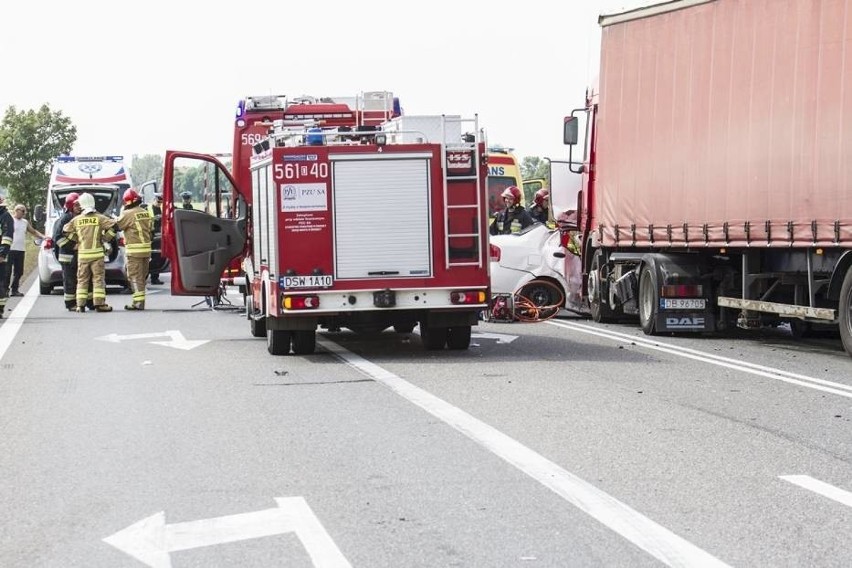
[313, 281]
[682, 303]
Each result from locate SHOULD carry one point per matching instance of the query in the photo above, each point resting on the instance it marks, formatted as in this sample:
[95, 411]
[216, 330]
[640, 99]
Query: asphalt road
[172, 438]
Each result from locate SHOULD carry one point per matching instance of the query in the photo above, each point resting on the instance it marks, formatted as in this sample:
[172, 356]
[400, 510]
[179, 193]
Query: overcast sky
[149, 76]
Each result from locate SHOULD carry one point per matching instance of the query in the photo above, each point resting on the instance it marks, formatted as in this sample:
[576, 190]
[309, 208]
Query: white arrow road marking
[178, 341]
[151, 540]
[820, 487]
[500, 337]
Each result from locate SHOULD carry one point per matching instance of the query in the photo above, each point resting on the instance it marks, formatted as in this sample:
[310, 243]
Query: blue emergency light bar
[68, 159]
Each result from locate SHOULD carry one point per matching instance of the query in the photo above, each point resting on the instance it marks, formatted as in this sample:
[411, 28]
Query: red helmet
[130, 196]
[541, 195]
[70, 200]
[513, 192]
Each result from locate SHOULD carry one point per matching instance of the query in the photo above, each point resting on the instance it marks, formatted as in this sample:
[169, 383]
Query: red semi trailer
[717, 163]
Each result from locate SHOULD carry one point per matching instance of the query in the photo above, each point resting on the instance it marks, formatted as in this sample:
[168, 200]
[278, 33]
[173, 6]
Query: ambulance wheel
[601, 312]
[45, 289]
[648, 300]
[434, 338]
[845, 312]
[304, 341]
[458, 337]
[278, 341]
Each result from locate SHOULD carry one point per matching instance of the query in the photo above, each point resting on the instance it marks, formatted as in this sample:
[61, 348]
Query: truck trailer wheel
[304, 341]
[648, 300]
[458, 337]
[601, 312]
[278, 341]
[845, 312]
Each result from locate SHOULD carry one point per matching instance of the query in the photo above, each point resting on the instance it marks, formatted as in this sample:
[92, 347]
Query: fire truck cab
[349, 220]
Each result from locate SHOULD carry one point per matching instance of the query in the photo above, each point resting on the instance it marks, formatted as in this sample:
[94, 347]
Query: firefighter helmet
[87, 202]
[70, 200]
[513, 192]
[130, 196]
[185, 195]
[541, 195]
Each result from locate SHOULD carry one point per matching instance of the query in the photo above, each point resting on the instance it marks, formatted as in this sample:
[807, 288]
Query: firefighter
[539, 210]
[90, 230]
[136, 222]
[514, 217]
[156, 264]
[187, 200]
[7, 231]
[67, 252]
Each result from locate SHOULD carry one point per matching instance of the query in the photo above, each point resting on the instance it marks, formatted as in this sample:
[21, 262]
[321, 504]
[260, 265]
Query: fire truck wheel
[278, 341]
[845, 312]
[648, 299]
[434, 338]
[458, 337]
[304, 342]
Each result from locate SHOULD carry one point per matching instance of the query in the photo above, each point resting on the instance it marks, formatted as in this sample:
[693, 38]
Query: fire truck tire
[648, 300]
[845, 312]
[434, 338]
[601, 312]
[458, 337]
[278, 341]
[304, 341]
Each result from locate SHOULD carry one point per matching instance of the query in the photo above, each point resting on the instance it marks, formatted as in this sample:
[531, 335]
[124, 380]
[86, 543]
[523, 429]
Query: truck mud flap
[680, 322]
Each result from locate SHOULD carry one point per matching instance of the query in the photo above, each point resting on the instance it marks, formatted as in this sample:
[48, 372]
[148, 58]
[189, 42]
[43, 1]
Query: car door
[200, 241]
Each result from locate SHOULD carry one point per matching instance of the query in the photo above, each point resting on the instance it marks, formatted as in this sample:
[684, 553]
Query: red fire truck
[715, 168]
[345, 220]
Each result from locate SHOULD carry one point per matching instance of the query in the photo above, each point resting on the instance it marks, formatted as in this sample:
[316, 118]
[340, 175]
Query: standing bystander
[15, 264]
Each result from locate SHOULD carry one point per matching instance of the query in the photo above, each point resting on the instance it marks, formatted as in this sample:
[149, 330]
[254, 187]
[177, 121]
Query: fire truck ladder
[468, 145]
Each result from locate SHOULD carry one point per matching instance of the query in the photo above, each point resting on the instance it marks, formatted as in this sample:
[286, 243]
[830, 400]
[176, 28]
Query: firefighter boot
[103, 308]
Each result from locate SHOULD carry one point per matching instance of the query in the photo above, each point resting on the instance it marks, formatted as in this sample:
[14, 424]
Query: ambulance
[503, 172]
[106, 178]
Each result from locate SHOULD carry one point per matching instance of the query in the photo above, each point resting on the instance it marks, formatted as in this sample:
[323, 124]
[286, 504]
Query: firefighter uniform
[90, 230]
[137, 224]
[7, 229]
[67, 256]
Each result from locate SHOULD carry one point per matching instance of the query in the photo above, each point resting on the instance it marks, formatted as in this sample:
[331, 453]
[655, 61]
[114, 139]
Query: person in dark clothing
[156, 240]
[187, 200]
[540, 209]
[67, 251]
[7, 230]
[514, 217]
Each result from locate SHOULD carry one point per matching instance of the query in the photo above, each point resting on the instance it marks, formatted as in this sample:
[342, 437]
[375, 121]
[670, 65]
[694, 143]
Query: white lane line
[839, 389]
[820, 487]
[13, 320]
[649, 536]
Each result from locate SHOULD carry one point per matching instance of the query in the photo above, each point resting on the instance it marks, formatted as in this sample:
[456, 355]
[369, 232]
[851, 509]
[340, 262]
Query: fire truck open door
[200, 242]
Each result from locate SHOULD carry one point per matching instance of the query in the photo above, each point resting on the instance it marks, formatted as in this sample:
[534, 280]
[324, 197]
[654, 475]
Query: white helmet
[87, 202]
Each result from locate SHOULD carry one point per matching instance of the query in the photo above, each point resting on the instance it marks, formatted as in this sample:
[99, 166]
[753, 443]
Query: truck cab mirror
[38, 214]
[570, 131]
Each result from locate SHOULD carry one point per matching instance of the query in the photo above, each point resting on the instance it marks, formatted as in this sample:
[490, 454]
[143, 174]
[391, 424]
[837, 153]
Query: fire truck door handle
[383, 273]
